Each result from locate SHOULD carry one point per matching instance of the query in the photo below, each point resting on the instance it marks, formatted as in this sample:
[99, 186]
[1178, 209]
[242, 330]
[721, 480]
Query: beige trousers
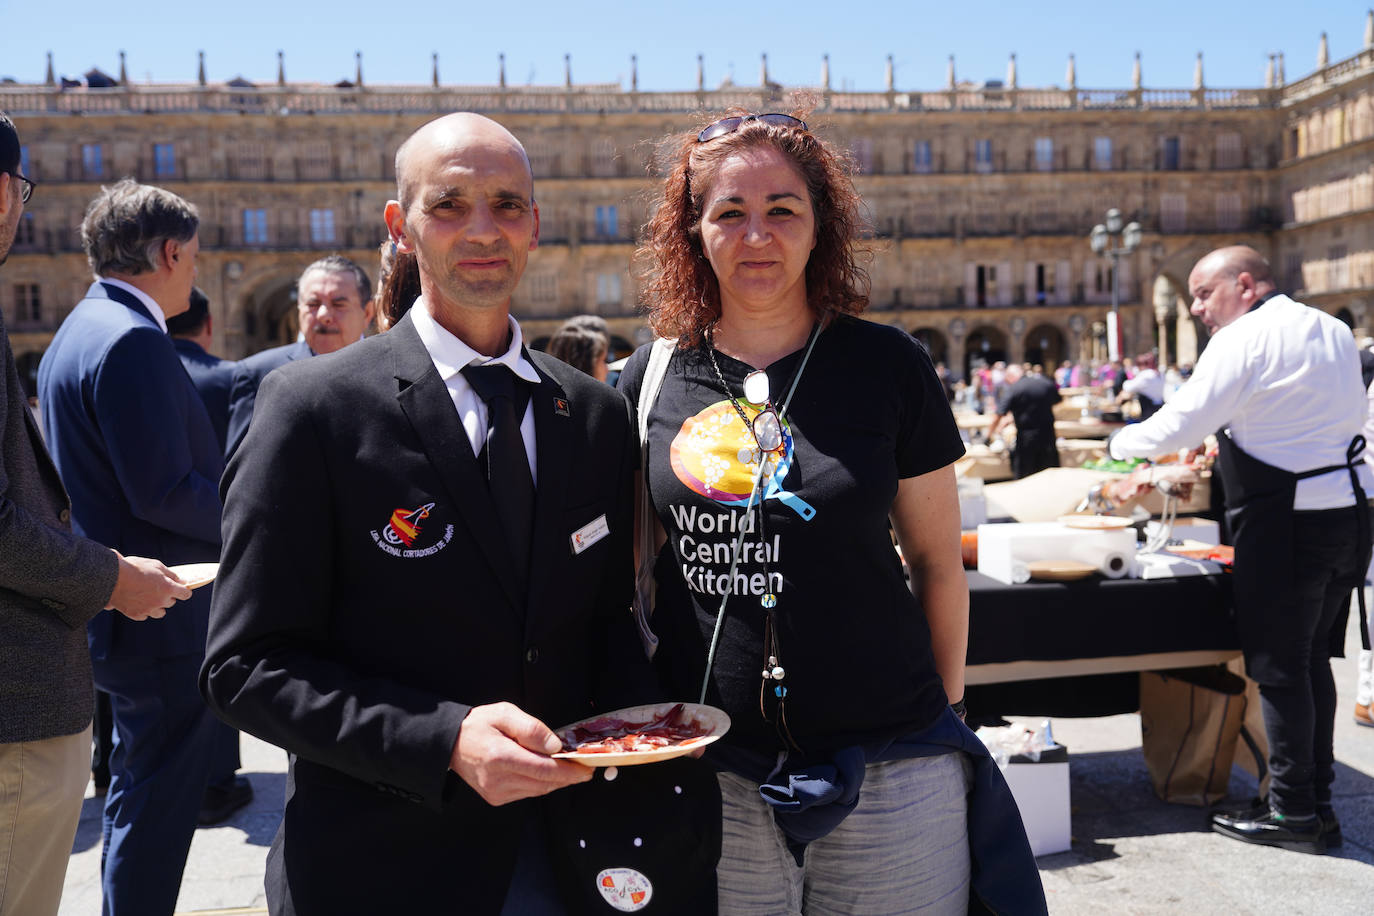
[41, 787]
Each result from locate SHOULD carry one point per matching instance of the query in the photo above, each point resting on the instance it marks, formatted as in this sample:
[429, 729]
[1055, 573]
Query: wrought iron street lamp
[1114, 240]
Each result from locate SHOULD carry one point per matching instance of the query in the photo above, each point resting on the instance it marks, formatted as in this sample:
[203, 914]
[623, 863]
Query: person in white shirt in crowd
[1279, 383]
[1146, 386]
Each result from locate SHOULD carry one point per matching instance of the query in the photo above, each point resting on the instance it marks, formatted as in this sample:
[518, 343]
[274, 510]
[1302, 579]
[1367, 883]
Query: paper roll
[1114, 565]
[1112, 562]
[1019, 573]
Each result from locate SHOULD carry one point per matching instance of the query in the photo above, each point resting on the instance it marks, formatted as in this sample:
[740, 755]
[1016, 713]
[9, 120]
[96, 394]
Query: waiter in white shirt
[1279, 383]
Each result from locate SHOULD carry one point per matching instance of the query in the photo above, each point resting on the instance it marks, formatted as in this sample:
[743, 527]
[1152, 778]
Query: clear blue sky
[242, 38]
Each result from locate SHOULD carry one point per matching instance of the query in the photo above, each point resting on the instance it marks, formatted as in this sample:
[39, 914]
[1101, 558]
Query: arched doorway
[986, 345]
[1344, 315]
[268, 313]
[1045, 345]
[935, 342]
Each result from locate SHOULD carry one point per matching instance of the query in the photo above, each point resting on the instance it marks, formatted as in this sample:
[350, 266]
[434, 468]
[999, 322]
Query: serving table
[1076, 648]
[1039, 630]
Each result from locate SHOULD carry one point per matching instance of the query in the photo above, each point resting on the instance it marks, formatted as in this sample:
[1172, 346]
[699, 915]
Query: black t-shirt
[868, 411]
[1030, 401]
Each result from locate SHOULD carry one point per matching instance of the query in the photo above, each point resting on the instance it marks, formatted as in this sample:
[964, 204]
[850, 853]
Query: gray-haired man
[135, 448]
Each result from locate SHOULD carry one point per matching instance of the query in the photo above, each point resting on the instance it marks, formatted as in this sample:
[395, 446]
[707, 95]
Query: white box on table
[1041, 790]
[1004, 550]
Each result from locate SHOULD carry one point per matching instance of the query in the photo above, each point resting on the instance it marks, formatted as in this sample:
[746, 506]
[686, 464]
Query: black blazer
[360, 651]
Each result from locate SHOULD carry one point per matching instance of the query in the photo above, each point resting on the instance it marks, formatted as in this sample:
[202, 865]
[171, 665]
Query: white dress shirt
[1147, 383]
[153, 308]
[451, 356]
[1285, 379]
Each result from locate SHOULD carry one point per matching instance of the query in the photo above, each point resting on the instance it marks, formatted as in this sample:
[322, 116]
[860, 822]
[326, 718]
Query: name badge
[590, 533]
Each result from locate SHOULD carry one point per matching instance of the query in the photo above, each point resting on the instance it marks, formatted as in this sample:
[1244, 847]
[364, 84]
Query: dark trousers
[1033, 453]
[102, 739]
[163, 747]
[1300, 716]
[226, 761]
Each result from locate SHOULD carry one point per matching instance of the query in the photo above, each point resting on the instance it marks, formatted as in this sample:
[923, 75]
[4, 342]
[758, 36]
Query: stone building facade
[980, 196]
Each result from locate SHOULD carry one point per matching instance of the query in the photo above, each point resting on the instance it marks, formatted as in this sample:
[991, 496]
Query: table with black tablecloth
[1075, 648]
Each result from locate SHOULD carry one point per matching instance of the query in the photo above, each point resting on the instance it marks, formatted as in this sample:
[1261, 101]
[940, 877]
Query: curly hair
[681, 289]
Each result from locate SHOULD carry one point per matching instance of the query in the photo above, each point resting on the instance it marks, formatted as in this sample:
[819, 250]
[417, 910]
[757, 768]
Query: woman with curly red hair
[785, 435]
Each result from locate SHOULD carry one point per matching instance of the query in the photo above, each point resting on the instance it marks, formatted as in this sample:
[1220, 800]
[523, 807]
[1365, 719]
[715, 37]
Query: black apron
[1259, 511]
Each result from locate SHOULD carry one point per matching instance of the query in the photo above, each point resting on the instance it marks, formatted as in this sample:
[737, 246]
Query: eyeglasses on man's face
[25, 186]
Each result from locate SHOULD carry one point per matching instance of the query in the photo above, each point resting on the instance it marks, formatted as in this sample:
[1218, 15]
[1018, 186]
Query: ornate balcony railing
[611, 98]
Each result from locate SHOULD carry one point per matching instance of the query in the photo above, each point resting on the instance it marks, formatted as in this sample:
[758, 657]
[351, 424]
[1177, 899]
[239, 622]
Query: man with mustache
[335, 306]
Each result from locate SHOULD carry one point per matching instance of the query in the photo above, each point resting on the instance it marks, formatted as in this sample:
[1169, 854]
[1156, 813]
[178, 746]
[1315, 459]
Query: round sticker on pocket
[624, 889]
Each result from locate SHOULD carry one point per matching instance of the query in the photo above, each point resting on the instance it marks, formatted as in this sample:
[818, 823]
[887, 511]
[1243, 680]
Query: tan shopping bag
[1254, 759]
[1189, 722]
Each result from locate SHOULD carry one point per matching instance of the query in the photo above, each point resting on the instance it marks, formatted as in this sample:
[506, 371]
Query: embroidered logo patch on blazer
[402, 537]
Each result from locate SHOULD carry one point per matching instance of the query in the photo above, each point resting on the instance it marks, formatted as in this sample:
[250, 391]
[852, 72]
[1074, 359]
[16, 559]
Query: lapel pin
[560, 407]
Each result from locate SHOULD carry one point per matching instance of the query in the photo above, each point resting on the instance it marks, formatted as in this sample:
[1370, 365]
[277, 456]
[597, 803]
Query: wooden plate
[194, 575]
[1059, 570]
[1095, 522]
[713, 723]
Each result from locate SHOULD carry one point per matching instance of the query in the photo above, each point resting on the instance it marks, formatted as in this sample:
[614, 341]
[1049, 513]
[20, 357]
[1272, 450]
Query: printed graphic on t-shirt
[715, 455]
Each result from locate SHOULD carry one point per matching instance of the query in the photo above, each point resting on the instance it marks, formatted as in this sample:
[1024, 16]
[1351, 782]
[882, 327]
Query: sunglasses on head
[730, 125]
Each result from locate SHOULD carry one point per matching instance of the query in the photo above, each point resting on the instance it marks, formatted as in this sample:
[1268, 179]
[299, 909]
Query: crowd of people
[1134, 383]
[427, 542]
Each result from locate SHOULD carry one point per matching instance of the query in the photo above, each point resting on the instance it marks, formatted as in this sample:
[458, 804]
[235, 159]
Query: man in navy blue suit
[134, 446]
[334, 304]
[192, 332]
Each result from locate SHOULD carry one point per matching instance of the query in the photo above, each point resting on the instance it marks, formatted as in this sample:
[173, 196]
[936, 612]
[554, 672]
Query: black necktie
[503, 455]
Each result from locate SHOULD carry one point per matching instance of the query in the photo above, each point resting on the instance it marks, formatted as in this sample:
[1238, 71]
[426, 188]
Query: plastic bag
[1017, 740]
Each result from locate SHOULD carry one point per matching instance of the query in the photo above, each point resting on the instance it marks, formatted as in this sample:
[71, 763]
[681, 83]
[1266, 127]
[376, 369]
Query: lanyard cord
[749, 507]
